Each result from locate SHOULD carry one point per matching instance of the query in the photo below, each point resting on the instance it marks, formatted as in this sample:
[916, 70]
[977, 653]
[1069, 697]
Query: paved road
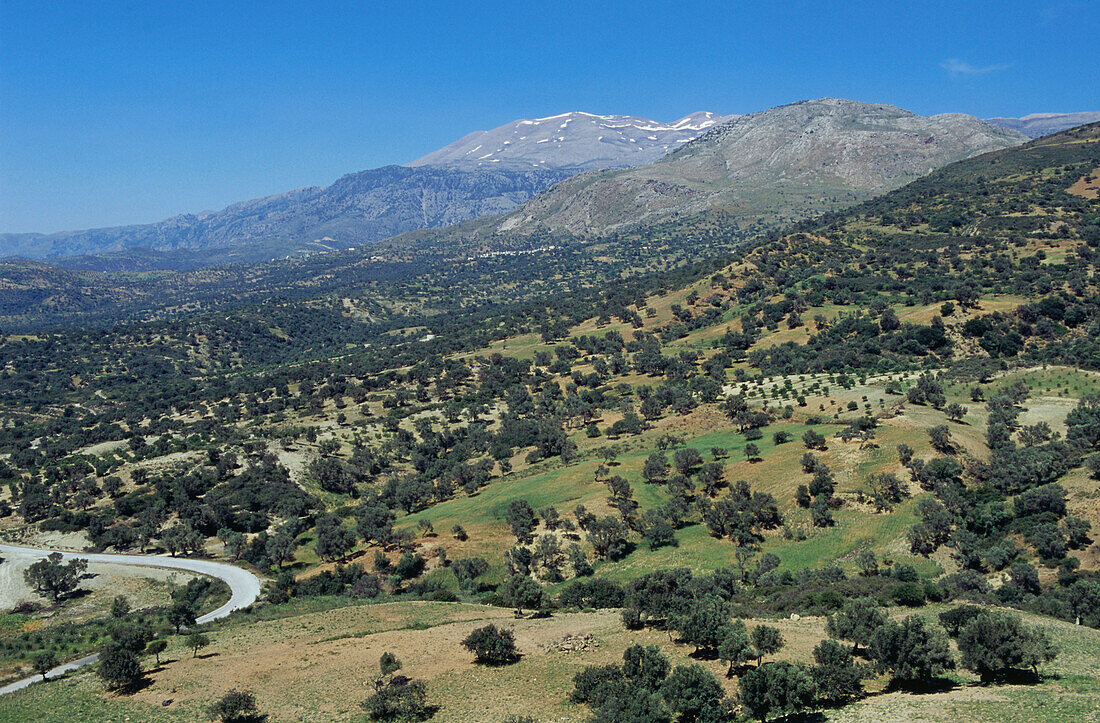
[244, 585]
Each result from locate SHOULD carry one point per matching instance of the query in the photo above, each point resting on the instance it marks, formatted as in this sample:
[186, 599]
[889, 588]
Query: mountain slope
[577, 140]
[1035, 125]
[995, 252]
[445, 187]
[784, 164]
[356, 209]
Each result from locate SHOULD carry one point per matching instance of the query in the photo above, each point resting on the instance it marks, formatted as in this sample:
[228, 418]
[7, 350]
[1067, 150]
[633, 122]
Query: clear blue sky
[127, 112]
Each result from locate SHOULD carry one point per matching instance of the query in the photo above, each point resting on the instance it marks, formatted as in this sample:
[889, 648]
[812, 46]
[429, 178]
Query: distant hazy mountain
[1035, 125]
[356, 209]
[780, 164]
[485, 173]
[571, 140]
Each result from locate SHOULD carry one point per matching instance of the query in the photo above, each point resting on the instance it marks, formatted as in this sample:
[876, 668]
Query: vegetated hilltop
[1035, 125]
[434, 272]
[1017, 223]
[577, 140]
[781, 164]
[859, 418]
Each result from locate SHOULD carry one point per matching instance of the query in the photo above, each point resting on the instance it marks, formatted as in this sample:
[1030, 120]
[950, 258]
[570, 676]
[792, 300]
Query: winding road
[245, 588]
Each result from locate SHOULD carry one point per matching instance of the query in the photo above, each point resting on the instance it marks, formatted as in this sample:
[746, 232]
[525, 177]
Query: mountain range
[1036, 125]
[453, 184]
[358, 208]
[574, 172]
[780, 164]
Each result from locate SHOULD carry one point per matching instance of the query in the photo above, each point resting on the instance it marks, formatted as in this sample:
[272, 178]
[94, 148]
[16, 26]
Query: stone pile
[573, 644]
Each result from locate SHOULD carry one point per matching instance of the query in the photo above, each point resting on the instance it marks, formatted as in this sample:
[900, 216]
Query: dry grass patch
[1087, 186]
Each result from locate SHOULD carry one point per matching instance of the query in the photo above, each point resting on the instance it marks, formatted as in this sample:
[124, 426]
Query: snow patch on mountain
[575, 140]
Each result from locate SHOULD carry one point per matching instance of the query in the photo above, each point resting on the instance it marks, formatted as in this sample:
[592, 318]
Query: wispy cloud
[956, 67]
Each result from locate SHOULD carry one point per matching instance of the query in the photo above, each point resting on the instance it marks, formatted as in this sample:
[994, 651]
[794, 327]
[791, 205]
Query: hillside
[771, 167]
[776, 160]
[893, 404]
[779, 165]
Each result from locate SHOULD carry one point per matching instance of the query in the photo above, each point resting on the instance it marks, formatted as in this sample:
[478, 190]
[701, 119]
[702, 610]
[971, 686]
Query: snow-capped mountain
[778, 165]
[575, 140]
[484, 173]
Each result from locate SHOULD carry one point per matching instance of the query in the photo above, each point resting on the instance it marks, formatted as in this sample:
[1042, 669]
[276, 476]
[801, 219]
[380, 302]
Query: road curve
[244, 586]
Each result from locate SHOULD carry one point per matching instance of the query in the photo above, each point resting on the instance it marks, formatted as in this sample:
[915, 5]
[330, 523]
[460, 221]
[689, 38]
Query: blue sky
[129, 112]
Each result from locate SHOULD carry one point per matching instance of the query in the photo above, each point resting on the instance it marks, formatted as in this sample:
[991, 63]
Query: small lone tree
[44, 662]
[120, 607]
[940, 437]
[955, 412]
[776, 689]
[54, 577]
[523, 593]
[813, 440]
[705, 623]
[156, 647]
[197, 641]
[690, 689]
[767, 641]
[837, 677]
[236, 705]
[119, 667]
[912, 651]
[388, 664]
[182, 614]
[736, 647]
[521, 517]
[994, 644]
[492, 645]
[687, 459]
[856, 622]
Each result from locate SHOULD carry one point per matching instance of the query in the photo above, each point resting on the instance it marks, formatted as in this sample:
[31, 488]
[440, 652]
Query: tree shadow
[204, 656]
[922, 687]
[499, 663]
[75, 594]
[136, 686]
[802, 717]
[1013, 677]
[737, 671]
[704, 654]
